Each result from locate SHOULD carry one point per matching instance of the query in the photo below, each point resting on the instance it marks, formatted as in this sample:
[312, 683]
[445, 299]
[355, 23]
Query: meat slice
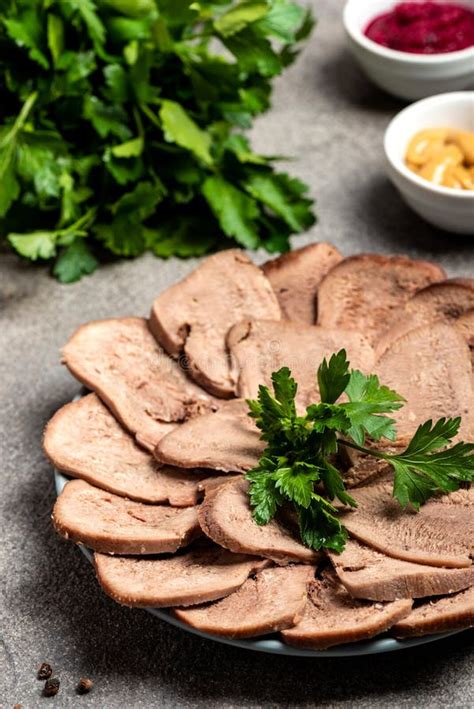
[445, 301]
[271, 601]
[295, 278]
[465, 325]
[366, 292]
[114, 525]
[225, 517]
[440, 534]
[193, 316]
[147, 390]
[438, 615]
[363, 469]
[85, 441]
[367, 573]
[260, 347]
[431, 368]
[333, 617]
[227, 440]
[205, 573]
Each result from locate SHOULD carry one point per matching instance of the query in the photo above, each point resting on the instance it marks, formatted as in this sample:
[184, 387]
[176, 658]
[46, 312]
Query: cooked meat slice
[440, 534]
[465, 325]
[333, 617]
[225, 517]
[431, 368]
[366, 292]
[85, 441]
[205, 573]
[226, 440]
[445, 301]
[114, 525]
[438, 615]
[367, 573]
[295, 278]
[193, 316]
[147, 391]
[260, 347]
[271, 601]
[364, 469]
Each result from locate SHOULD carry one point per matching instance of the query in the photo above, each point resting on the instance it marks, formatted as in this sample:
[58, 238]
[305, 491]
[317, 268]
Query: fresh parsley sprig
[297, 466]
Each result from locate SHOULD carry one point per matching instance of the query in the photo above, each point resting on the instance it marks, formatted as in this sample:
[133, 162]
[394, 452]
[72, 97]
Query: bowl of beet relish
[413, 49]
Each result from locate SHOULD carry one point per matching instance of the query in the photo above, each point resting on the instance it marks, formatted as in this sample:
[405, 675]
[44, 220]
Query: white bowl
[409, 76]
[445, 207]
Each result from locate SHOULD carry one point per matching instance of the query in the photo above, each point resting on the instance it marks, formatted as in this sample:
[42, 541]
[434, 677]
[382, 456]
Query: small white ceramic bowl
[408, 76]
[445, 207]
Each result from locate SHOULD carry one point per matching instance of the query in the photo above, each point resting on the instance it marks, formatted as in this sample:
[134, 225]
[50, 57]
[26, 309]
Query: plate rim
[269, 644]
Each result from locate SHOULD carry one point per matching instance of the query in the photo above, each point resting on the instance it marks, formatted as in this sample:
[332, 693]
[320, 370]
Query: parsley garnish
[297, 464]
[122, 128]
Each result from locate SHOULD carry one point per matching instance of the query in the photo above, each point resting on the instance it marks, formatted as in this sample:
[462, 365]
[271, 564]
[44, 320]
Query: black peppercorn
[45, 671]
[51, 687]
[85, 685]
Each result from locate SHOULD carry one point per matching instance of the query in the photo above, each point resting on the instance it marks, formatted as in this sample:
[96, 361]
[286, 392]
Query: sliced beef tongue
[465, 325]
[295, 278]
[226, 440]
[194, 316]
[333, 617]
[367, 573]
[431, 367]
[440, 534]
[366, 292]
[445, 301]
[363, 469]
[438, 615]
[120, 360]
[114, 525]
[271, 601]
[225, 517]
[260, 347]
[205, 573]
[85, 441]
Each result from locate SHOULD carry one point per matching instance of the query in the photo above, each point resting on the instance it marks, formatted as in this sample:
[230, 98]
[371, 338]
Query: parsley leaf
[423, 468]
[74, 262]
[334, 377]
[368, 401]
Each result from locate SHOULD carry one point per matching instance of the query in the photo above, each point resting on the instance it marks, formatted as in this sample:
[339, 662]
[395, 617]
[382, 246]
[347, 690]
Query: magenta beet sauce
[424, 28]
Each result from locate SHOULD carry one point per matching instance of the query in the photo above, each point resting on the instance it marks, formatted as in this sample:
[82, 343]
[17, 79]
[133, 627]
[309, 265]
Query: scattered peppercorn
[85, 685]
[45, 671]
[51, 687]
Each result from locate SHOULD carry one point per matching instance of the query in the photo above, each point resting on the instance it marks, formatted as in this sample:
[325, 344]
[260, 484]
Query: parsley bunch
[121, 128]
[297, 465]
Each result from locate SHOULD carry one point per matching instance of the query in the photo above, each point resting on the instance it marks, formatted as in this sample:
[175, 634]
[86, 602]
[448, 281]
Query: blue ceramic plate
[273, 644]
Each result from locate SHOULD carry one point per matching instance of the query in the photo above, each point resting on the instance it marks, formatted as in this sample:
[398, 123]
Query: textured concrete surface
[329, 117]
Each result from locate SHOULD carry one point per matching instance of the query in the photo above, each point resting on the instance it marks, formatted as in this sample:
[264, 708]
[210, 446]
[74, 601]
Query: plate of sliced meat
[151, 459]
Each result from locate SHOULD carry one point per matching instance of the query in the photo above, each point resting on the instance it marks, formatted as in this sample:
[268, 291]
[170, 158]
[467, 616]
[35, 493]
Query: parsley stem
[368, 451]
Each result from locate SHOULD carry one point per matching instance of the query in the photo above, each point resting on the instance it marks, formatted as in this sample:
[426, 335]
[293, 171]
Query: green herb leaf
[235, 211]
[282, 21]
[423, 469]
[240, 16]
[264, 497]
[36, 245]
[179, 128]
[368, 401]
[334, 377]
[319, 526]
[283, 195]
[74, 262]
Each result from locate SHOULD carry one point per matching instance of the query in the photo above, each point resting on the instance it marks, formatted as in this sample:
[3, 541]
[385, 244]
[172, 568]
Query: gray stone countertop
[332, 120]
